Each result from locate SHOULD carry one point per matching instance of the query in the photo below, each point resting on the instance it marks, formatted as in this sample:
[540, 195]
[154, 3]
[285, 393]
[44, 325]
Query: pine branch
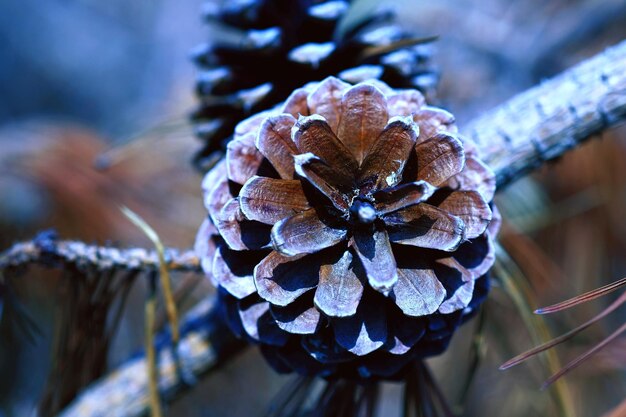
[205, 344]
[546, 121]
[95, 276]
[46, 249]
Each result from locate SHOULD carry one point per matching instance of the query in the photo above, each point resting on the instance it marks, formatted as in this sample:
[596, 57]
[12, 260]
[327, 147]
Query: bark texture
[50, 251]
[546, 121]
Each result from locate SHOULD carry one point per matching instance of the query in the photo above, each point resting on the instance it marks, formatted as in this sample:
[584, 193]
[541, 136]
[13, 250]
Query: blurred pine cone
[287, 43]
[353, 239]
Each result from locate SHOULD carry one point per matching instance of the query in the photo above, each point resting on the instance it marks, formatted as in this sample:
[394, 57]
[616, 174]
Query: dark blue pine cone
[350, 230]
[285, 44]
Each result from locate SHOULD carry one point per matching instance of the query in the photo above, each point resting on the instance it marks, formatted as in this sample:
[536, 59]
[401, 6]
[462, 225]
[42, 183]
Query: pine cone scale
[383, 166]
[238, 232]
[274, 142]
[339, 289]
[325, 179]
[304, 233]
[260, 325]
[299, 317]
[363, 117]
[313, 135]
[374, 251]
[326, 101]
[243, 159]
[402, 196]
[281, 279]
[269, 200]
[471, 208]
[425, 226]
[439, 158]
[366, 330]
[460, 298]
[233, 275]
[477, 176]
[418, 292]
[432, 120]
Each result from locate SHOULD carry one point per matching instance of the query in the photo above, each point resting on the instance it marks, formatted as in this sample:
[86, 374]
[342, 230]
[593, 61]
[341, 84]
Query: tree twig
[546, 121]
[46, 249]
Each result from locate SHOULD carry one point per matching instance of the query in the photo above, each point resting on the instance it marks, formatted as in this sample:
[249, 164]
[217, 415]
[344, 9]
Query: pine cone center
[362, 211]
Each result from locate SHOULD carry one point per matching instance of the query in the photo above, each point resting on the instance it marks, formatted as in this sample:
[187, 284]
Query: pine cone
[286, 44]
[353, 238]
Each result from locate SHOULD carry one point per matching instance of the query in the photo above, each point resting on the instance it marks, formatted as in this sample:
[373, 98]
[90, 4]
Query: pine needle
[168, 295]
[583, 298]
[359, 12]
[140, 141]
[580, 359]
[374, 51]
[532, 352]
[514, 284]
[20, 317]
[151, 354]
[476, 354]
[150, 311]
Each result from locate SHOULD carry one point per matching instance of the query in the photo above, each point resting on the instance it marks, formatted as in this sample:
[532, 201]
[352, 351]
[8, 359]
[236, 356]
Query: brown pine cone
[350, 223]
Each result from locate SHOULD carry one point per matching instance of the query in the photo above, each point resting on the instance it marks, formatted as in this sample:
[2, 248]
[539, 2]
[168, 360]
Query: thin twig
[44, 250]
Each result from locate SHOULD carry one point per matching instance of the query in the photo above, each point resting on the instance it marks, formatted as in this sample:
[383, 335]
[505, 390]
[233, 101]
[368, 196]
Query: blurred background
[84, 78]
